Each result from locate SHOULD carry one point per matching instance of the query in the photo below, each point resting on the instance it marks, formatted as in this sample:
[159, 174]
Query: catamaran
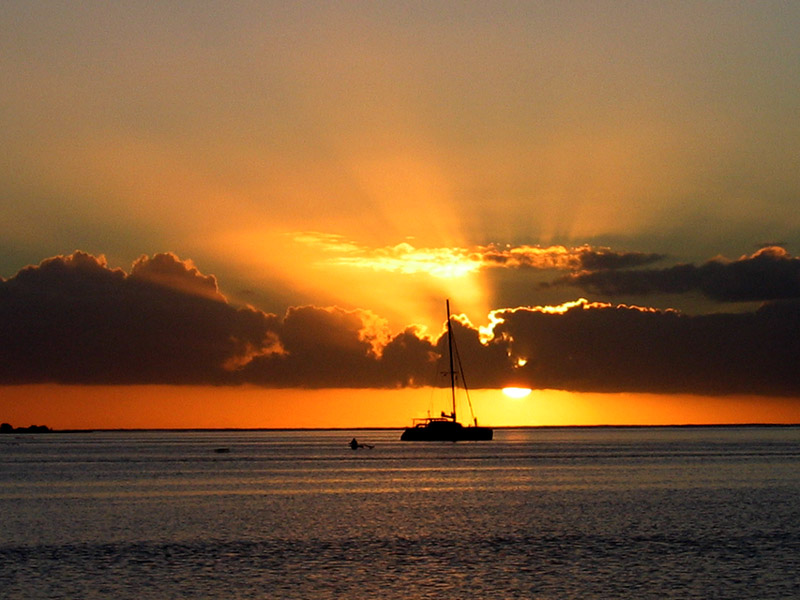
[446, 427]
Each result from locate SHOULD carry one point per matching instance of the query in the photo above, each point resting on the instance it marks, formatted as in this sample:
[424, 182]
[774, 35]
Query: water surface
[536, 513]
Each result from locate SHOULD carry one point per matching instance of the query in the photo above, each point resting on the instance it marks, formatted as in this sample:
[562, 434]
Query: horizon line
[597, 426]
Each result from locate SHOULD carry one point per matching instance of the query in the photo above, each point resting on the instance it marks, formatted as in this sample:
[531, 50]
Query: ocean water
[600, 513]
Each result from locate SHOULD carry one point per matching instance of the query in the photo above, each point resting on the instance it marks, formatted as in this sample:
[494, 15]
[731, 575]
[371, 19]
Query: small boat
[355, 445]
[446, 427]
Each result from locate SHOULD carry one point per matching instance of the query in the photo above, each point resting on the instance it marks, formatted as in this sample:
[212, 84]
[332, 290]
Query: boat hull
[446, 431]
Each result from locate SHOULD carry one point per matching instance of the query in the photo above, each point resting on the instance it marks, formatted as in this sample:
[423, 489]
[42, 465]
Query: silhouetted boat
[446, 427]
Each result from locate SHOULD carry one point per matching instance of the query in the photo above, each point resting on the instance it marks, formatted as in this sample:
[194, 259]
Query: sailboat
[446, 427]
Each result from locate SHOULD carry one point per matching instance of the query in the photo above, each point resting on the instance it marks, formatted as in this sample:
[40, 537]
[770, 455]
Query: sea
[541, 513]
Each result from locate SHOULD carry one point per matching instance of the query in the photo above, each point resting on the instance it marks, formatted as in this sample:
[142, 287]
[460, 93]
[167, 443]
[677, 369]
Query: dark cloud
[72, 319]
[322, 347]
[617, 348]
[769, 274]
[597, 259]
[167, 270]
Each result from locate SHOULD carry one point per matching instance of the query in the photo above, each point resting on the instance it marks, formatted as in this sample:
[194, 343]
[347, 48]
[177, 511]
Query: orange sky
[310, 181]
[98, 407]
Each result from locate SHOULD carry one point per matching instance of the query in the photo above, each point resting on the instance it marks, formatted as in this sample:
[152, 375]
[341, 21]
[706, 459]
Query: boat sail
[446, 428]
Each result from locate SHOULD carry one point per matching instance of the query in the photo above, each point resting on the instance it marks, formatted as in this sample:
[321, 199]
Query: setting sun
[516, 392]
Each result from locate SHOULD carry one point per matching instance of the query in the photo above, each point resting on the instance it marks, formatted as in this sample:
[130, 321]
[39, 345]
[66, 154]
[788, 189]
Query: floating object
[355, 445]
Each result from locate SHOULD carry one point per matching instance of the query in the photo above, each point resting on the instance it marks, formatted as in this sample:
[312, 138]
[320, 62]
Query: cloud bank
[769, 274]
[73, 319]
[603, 347]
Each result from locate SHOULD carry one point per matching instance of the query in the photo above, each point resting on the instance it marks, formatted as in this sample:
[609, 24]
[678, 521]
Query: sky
[250, 214]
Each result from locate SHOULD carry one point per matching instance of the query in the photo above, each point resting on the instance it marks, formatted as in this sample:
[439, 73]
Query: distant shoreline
[7, 428]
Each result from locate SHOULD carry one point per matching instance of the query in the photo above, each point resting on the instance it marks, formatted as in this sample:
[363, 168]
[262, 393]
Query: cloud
[323, 347]
[563, 258]
[603, 347]
[168, 270]
[604, 258]
[769, 274]
[404, 258]
[73, 319]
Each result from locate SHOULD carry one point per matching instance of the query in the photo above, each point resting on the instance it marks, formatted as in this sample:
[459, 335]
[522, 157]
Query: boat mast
[452, 370]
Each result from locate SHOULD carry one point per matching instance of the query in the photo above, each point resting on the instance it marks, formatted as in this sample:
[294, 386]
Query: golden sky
[226, 192]
[181, 407]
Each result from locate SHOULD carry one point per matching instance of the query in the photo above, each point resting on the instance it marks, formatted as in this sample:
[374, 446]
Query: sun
[516, 392]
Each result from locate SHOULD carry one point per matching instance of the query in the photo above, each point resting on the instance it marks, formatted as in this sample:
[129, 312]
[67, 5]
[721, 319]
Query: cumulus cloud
[602, 347]
[168, 270]
[323, 347]
[769, 274]
[72, 319]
